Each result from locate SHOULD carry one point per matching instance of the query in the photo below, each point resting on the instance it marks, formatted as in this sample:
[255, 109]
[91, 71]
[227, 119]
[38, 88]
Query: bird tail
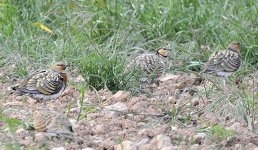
[60, 134]
[14, 90]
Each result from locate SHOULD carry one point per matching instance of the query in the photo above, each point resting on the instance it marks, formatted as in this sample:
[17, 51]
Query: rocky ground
[184, 112]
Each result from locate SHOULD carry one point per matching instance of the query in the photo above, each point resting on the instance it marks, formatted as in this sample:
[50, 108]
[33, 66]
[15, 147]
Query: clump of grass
[235, 100]
[219, 132]
[11, 123]
[12, 146]
[21, 71]
[102, 70]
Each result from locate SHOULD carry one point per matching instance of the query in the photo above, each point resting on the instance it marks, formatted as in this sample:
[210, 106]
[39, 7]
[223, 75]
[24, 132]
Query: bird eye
[61, 65]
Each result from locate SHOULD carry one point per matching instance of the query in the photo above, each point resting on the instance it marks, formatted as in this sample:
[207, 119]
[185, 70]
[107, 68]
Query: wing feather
[224, 61]
[43, 82]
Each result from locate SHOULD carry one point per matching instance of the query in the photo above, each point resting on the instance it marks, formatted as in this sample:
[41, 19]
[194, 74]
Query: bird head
[234, 46]
[163, 52]
[60, 66]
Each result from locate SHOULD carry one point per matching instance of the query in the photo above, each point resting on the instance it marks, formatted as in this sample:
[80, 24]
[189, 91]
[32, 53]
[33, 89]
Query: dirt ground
[179, 114]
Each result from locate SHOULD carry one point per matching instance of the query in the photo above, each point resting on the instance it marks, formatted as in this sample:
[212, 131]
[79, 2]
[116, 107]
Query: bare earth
[179, 114]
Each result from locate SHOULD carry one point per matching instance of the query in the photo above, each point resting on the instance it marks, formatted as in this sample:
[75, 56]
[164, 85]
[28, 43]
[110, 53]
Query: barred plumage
[44, 84]
[224, 63]
[149, 65]
[46, 120]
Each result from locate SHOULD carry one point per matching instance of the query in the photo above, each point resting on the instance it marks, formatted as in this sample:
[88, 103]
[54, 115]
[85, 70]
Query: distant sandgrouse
[50, 121]
[150, 66]
[224, 63]
[45, 84]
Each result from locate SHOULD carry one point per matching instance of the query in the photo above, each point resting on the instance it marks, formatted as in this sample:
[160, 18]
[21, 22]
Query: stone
[97, 141]
[209, 147]
[250, 146]
[58, 148]
[142, 142]
[168, 77]
[168, 148]
[116, 109]
[87, 148]
[31, 101]
[235, 126]
[99, 129]
[238, 146]
[125, 145]
[20, 131]
[173, 128]
[195, 147]
[40, 136]
[107, 144]
[161, 141]
[122, 96]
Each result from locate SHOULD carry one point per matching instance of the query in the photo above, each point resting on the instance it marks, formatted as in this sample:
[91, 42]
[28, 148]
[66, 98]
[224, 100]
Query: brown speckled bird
[224, 63]
[149, 65]
[50, 121]
[44, 84]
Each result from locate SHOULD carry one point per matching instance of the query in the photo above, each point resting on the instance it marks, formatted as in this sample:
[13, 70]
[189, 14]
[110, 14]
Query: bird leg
[225, 81]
